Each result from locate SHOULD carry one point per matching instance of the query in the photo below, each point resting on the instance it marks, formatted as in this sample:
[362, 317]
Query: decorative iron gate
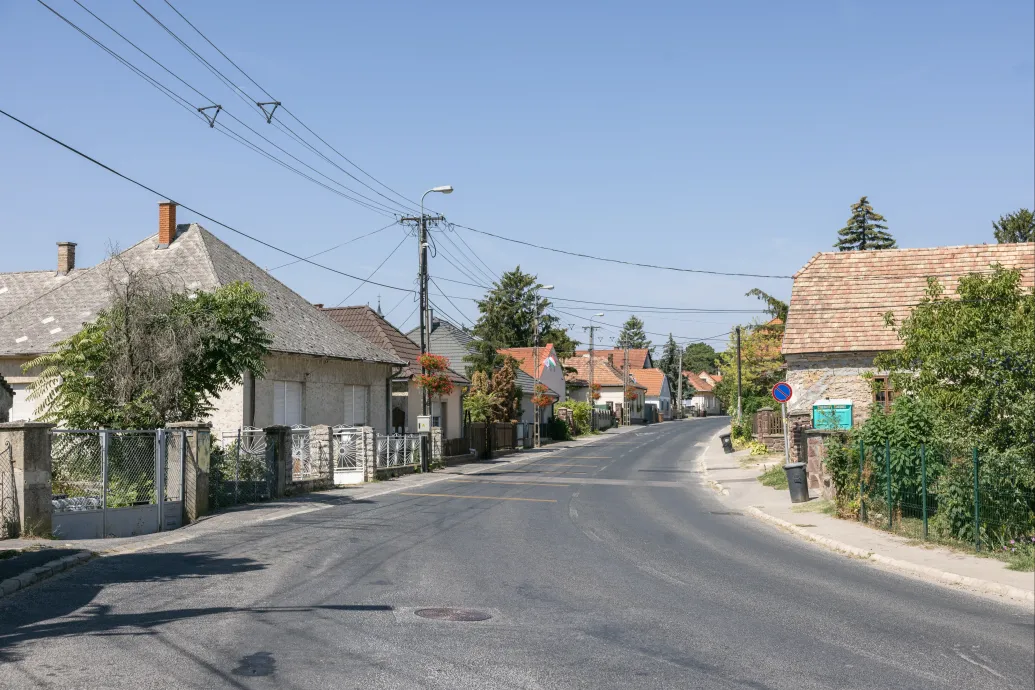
[301, 457]
[348, 468]
[239, 470]
[398, 450]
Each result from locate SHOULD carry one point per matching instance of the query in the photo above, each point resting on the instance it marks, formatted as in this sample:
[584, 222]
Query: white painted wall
[454, 412]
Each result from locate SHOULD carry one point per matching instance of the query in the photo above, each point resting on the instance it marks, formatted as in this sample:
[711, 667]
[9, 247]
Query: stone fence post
[198, 439]
[321, 451]
[278, 458]
[29, 449]
[366, 452]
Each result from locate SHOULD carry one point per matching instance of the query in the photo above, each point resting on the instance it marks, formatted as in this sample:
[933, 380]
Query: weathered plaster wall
[839, 375]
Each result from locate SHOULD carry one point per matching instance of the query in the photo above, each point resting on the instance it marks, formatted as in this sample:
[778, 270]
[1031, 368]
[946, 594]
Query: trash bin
[727, 443]
[797, 481]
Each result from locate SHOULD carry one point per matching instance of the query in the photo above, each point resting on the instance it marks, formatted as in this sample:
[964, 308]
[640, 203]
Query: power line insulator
[211, 118]
[268, 113]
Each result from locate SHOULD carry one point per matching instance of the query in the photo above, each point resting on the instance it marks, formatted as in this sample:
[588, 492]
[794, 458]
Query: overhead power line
[618, 261]
[409, 203]
[330, 249]
[372, 273]
[194, 210]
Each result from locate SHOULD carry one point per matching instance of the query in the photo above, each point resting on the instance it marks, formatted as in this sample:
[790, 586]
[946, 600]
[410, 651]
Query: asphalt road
[602, 566]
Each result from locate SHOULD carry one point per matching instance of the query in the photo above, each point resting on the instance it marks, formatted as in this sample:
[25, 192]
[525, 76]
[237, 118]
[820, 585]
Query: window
[287, 403]
[883, 393]
[356, 406]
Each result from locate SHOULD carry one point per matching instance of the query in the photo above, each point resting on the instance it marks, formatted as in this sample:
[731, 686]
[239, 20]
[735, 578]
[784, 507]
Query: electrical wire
[195, 211]
[409, 205]
[472, 264]
[448, 298]
[401, 300]
[390, 255]
[337, 246]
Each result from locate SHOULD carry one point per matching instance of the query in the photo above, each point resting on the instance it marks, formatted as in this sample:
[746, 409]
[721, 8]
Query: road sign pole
[786, 437]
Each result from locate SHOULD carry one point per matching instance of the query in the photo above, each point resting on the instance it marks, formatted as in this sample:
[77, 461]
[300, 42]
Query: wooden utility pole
[592, 403]
[625, 388]
[679, 387]
[740, 407]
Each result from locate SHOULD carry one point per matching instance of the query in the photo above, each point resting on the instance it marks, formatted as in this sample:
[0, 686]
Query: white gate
[348, 467]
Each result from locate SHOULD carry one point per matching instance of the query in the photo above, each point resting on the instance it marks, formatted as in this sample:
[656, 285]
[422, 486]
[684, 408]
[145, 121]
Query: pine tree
[865, 230]
[1018, 226]
[632, 335]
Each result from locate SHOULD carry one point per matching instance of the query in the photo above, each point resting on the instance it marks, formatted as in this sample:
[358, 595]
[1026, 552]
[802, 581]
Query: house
[446, 412]
[835, 325]
[551, 375]
[6, 400]
[609, 380]
[317, 371]
[704, 400]
[639, 358]
[448, 340]
[658, 390]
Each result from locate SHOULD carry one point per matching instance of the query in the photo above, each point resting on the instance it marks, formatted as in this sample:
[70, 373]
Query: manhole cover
[456, 615]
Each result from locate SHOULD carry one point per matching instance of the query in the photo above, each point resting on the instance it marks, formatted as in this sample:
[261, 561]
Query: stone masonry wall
[838, 375]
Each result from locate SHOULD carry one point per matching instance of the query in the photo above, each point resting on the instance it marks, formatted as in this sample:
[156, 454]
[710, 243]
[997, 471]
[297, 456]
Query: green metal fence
[943, 494]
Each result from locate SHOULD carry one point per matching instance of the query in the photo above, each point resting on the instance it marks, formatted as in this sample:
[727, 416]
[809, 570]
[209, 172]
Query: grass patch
[821, 505]
[774, 477]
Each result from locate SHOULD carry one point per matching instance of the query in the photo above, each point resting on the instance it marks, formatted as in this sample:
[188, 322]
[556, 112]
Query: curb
[925, 573]
[42, 572]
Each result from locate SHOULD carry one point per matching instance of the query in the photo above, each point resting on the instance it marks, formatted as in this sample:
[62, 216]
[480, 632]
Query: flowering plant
[542, 397]
[595, 391]
[436, 381]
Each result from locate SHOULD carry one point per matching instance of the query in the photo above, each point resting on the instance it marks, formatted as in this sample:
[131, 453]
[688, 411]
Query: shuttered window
[287, 403]
[357, 406]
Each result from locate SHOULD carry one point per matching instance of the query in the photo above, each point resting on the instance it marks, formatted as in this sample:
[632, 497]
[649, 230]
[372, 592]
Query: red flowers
[542, 397]
[436, 381]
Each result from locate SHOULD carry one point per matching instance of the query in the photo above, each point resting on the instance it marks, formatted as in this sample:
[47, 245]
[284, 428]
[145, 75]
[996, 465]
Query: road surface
[602, 566]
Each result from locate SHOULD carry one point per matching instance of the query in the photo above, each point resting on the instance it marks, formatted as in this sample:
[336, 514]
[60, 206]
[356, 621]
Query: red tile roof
[652, 379]
[526, 359]
[603, 373]
[637, 356]
[699, 384]
[839, 299]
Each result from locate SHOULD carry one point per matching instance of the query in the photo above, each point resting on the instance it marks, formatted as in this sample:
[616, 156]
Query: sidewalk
[250, 514]
[736, 484]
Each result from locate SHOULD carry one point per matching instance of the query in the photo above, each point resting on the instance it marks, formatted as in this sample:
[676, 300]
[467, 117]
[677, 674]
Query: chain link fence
[10, 524]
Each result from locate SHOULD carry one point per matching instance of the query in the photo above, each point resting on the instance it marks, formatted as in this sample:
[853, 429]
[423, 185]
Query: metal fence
[239, 470]
[346, 449]
[950, 495]
[398, 450]
[10, 525]
[302, 465]
[112, 482]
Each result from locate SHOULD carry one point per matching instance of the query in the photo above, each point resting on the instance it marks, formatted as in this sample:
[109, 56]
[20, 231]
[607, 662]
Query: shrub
[759, 448]
[842, 463]
[581, 413]
[557, 429]
[741, 431]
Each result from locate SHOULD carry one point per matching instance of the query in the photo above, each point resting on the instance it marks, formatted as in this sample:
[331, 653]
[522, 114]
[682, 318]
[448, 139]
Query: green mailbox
[832, 414]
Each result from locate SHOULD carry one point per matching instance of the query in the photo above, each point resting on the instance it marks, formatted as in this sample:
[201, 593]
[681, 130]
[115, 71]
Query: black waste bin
[797, 481]
[727, 443]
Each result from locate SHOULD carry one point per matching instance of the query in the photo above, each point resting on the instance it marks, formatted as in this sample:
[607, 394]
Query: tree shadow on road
[63, 607]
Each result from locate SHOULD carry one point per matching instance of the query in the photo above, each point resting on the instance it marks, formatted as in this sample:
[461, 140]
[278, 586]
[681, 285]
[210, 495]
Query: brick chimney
[166, 223]
[66, 257]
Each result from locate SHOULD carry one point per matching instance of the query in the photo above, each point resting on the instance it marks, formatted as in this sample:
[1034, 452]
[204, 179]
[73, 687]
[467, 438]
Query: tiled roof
[699, 384]
[525, 357]
[603, 373]
[374, 328]
[449, 341]
[839, 299]
[196, 260]
[637, 357]
[652, 379]
[18, 288]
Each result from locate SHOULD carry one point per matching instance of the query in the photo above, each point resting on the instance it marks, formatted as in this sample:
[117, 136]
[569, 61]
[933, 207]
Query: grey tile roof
[18, 288]
[448, 340]
[197, 259]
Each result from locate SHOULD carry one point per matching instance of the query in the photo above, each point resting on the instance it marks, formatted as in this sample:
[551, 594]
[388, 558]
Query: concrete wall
[840, 375]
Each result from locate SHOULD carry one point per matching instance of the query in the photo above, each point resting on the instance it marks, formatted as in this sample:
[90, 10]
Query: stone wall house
[835, 324]
[446, 412]
[318, 372]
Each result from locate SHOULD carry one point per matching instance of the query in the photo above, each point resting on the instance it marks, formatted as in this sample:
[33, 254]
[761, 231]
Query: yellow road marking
[503, 481]
[495, 498]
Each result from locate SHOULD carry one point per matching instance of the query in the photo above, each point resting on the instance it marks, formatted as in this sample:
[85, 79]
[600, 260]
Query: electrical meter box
[832, 414]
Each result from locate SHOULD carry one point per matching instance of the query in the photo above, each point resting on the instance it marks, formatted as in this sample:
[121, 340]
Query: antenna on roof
[379, 305]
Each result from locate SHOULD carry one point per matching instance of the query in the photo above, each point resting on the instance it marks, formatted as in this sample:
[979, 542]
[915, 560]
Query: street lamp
[536, 410]
[425, 317]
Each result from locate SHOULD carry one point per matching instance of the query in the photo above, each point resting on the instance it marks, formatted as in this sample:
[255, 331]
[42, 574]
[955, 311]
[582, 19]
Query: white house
[658, 390]
[551, 375]
[704, 399]
[317, 371]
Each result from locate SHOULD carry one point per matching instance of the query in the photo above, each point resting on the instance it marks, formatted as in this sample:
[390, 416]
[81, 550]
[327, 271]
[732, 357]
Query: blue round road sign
[782, 392]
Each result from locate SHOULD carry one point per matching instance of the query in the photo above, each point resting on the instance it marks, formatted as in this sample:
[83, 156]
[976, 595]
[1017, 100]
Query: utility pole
[740, 408]
[536, 410]
[679, 386]
[625, 388]
[592, 403]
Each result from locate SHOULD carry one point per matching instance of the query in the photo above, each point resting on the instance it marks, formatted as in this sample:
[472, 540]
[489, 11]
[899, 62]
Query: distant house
[610, 381]
[405, 394]
[317, 371]
[639, 358]
[703, 399]
[448, 340]
[835, 324]
[551, 375]
[658, 390]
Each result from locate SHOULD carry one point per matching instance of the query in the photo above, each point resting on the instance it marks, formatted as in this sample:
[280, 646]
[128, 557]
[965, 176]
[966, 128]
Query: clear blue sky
[724, 136]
